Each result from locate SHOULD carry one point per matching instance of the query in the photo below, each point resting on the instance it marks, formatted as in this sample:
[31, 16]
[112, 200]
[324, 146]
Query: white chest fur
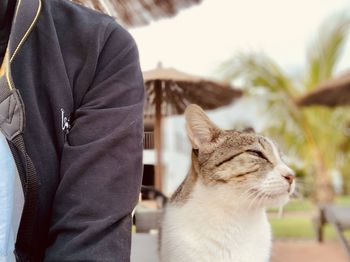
[204, 229]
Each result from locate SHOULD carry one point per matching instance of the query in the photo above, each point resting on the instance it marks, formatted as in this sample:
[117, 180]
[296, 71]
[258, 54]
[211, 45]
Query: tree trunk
[324, 192]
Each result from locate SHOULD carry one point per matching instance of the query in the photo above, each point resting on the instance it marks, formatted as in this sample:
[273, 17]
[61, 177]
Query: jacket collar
[26, 15]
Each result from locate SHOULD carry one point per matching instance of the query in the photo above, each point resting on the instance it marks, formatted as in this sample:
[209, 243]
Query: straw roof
[180, 89]
[138, 12]
[332, 93]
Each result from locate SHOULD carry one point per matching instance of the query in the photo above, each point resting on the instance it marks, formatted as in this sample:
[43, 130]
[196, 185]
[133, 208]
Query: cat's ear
[200, 129]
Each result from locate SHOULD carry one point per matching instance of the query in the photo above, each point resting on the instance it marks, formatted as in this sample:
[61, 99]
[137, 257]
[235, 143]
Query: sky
[199, 38]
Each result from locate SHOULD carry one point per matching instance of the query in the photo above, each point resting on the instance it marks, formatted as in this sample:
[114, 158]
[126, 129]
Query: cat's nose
[290, 176]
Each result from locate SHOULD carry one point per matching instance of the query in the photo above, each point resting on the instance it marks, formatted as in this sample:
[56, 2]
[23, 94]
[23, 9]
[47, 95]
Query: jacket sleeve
[101, 165]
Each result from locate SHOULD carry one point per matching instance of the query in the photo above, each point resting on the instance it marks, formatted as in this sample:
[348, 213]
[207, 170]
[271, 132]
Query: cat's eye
[257, 154]
[227, 159]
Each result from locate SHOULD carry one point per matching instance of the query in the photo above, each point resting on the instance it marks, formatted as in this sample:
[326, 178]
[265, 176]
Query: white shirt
[11, 202]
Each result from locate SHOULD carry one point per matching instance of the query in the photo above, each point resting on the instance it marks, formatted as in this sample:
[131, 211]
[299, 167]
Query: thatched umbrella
[169, 91]
[138, 12]
[332, 93]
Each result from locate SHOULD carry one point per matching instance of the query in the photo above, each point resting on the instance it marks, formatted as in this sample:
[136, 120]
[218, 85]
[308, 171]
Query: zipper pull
[65, 122]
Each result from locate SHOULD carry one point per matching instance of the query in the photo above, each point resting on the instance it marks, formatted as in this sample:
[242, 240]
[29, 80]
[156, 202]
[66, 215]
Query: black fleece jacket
[67, 60]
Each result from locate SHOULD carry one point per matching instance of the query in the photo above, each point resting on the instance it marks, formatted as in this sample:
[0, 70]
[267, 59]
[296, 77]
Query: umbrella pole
[157, 134]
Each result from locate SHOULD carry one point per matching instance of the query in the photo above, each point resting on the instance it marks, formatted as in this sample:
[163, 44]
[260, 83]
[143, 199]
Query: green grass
[299, 227]
[292, 227]
[296, 221]
[297, 205]
[343, 200]
[306, 205]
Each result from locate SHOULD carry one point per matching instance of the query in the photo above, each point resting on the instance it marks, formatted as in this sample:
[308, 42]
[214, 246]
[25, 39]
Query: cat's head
[241, 164]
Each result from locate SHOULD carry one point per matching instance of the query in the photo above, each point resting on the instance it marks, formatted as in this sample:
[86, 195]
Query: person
[71, 140]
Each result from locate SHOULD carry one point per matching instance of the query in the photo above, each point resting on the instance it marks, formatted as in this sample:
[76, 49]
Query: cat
[218, 212]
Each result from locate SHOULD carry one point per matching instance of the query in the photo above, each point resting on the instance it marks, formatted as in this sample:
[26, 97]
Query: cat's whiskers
[247, 194]
[254, 201]
[263, 198]
[252, 197]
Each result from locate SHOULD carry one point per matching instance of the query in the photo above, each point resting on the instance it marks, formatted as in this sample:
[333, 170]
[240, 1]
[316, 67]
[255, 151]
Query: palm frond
[326, 49]
[256, 70]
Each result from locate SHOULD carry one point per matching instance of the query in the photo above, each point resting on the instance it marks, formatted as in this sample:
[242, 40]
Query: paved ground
[308, 251]
[144, 249]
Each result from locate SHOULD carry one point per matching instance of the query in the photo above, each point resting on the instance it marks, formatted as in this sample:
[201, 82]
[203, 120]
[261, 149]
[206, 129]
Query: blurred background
[280, 67]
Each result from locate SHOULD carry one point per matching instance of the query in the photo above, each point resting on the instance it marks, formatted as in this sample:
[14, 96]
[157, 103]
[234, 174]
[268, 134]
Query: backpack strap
[31, 185]
[12, 122]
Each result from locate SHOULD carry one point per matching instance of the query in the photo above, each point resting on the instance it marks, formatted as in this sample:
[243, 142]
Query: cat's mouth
[262, 198]
[258, 192]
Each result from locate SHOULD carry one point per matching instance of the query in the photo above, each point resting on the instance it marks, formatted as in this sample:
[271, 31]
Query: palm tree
[314, 134]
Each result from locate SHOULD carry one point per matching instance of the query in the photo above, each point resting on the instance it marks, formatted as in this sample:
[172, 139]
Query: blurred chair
[337, 216]
[148, 213]
[147, 217]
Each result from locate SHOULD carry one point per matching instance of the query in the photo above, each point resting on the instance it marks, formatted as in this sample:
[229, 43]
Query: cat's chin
[277, 201]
